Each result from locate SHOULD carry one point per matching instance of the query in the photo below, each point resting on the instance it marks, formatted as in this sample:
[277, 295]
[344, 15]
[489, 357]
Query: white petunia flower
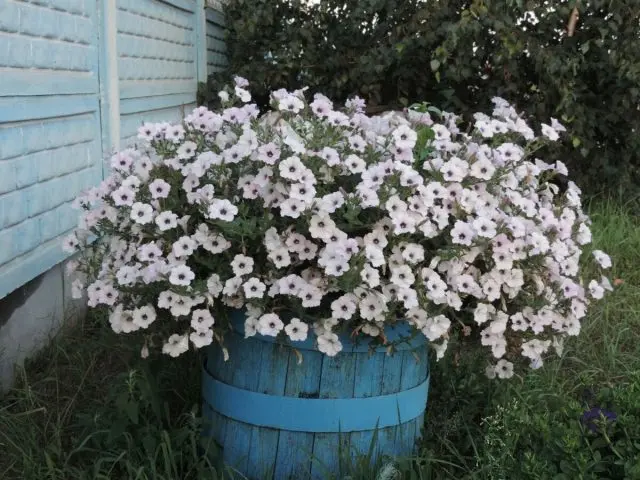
[291, 103]
[550, 132]
[602, 258]
[70, 243]
[222, 210]
[292, 169]
[183, 247]
[201, 320]
[504, 369]
[166, 220]
[462, 233]
[329, 344]
[270, 325]
[242, 265]
[402, 276]
[344, 307]
[159, 188]
[181, 275]
[144, 316]
[201, 338]
[296, 330]
[280, 257]
[123, 196]
[254, 288]
[176, 345]
[596, 290]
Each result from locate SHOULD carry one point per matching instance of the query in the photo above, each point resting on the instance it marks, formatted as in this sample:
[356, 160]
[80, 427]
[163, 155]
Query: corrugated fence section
[77, 79]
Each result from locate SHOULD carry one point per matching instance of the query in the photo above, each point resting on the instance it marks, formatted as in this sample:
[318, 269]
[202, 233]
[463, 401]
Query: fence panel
[156, 62]
[77, 79]
[216, 50]
[50, 140]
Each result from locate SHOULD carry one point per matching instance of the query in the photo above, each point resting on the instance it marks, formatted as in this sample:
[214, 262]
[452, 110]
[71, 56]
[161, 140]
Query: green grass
[88, 408]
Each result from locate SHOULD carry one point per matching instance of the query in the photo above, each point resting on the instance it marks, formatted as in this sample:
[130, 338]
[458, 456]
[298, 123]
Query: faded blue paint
[276, 418]
[327, 415]
[201, 40]
[67, 98]
[157, 62]
[50, 148]
[216, 49]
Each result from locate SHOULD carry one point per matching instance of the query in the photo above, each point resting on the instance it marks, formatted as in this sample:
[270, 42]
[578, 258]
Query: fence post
[109, 81]
[201, 40]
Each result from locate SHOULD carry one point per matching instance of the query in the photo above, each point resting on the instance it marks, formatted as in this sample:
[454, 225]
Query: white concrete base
[30, 316]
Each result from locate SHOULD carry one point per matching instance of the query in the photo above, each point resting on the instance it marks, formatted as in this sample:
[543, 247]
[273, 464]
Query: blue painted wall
[55, 104]
[156, 62]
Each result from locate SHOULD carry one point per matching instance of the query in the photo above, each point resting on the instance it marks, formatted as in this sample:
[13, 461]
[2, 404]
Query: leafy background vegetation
[457, 54]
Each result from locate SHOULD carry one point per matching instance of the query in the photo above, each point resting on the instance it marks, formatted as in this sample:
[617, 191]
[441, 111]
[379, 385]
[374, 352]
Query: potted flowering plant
[325, 230]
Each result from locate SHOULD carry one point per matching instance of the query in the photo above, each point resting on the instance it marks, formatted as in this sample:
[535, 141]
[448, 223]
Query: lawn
[89, 408]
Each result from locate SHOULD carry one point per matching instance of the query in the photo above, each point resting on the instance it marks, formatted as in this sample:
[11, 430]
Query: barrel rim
[402, 333]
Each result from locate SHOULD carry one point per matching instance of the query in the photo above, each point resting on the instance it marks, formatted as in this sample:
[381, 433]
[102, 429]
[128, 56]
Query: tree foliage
[458, 54]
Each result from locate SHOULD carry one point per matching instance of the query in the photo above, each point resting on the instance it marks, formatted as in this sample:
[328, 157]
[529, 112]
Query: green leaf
[435, 64]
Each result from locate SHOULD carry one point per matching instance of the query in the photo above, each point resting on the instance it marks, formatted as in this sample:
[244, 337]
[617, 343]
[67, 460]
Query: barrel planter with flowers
[289, 412]
[348, 242]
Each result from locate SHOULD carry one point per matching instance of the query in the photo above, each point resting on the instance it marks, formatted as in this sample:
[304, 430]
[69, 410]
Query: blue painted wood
[17, 109]
[265, 441]
[369, 371]
[61, 87]
[215, 46]
[296, 448]
[272, 374]
[414, 366]
[246, 370]
[215, 363]
[323, 415]
[145, 104]
[20, 84]
[200, 20]
[391, 381]
[402, 335]
[215, 17]
[187, 5]
[136, 89]
[337, 381]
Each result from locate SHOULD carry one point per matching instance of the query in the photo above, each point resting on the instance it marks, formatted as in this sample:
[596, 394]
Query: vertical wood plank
[410, 378]
[264, 441]
[337, 381]
[368, 383]
[109, 79]
[295, 449]
[391, 381]
[414, 372]
[201, 41]
[222, 371]
[246, 370]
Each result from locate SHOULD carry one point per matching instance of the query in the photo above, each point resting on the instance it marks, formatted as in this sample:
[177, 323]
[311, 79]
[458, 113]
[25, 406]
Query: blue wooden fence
[77, 78]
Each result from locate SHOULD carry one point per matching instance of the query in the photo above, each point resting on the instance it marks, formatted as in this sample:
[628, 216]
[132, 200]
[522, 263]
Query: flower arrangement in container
[321, 224]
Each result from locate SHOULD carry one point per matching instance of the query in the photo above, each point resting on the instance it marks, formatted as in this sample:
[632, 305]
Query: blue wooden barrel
[277, 419]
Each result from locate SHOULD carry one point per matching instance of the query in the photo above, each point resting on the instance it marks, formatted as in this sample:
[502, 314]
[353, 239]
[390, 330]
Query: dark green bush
[457, 55]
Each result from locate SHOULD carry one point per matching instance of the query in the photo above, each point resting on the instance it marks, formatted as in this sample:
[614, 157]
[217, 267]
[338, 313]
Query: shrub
[457, 55]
